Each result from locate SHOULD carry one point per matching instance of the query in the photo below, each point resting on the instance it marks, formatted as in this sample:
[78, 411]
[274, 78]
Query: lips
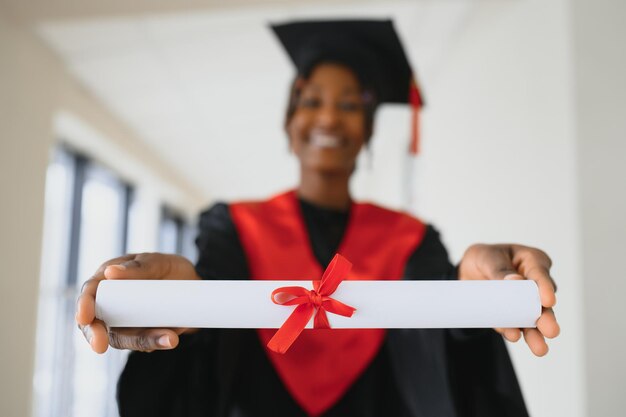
[325, 140]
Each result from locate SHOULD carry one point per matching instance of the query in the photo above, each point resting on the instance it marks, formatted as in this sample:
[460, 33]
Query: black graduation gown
[417, 373]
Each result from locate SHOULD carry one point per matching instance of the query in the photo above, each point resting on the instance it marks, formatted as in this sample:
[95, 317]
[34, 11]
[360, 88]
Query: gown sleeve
[481, 374]
[183, 381]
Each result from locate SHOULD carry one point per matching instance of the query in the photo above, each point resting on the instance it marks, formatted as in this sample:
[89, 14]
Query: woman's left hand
[505, 261]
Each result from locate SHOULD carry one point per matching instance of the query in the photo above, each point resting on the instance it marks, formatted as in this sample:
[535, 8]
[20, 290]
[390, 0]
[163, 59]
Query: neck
[325, 189]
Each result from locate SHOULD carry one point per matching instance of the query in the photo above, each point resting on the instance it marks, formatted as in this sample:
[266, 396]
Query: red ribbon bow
[308, 301]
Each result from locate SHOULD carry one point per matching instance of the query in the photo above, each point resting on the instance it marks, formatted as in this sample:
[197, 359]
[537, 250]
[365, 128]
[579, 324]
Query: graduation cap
[371, 48]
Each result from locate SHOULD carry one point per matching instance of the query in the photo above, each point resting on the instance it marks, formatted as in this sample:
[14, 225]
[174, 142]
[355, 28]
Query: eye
[350, 106]
[309, 102]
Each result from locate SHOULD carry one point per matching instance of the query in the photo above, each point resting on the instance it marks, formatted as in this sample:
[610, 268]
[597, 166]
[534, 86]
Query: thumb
[492, 262]
[513, 276]
[119, 271]
[497, 264]
[500, 272]
[142, 266]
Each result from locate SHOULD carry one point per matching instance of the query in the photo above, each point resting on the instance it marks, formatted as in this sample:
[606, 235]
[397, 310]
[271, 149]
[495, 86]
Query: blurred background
[120, 121]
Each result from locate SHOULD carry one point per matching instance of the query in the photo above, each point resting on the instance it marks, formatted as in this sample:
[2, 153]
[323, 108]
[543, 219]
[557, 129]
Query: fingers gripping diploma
[135, 266]
[507, 261]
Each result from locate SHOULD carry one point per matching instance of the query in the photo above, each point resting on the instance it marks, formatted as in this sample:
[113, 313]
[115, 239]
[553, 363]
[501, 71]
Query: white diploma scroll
[379, 304]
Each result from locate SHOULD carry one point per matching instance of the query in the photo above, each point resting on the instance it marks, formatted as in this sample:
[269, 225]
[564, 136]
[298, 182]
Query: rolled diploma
[379, 304]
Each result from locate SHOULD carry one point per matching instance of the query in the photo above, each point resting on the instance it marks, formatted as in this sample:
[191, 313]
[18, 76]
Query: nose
[328, 117]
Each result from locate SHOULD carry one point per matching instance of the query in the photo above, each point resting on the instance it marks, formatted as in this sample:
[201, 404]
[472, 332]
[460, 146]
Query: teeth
[325, 141]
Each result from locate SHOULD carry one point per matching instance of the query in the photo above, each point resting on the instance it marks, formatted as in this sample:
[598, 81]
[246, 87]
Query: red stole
[322, 364]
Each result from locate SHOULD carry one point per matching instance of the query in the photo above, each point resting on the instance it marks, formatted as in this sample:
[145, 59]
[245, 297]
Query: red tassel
[415, 101]
[415, 133]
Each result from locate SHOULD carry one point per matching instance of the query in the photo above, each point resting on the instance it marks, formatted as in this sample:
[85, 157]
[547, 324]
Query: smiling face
[328, 126]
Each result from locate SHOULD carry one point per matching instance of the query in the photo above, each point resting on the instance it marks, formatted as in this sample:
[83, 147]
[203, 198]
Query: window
[90, 216]
[171, 232]
[86, 222]
[176, 235]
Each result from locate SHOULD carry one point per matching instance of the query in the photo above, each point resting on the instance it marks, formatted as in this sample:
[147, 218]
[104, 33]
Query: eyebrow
[346, 91]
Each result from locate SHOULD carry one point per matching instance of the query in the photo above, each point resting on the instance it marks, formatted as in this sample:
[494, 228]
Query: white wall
[499, 166]
[34, 87]
[541, 86]
[25, 136]
[600, 56]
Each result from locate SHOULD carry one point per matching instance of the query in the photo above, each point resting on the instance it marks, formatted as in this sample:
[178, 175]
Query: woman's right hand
[138, 266]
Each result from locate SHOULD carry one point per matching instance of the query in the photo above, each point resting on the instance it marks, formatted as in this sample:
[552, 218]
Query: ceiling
[205, 87]
[36, 11]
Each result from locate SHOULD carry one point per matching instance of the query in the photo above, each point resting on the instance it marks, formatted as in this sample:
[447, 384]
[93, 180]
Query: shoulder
[215, 225]
[220, 214]
[432, 242]
[220, 253]
[430, 259]
[215, 215]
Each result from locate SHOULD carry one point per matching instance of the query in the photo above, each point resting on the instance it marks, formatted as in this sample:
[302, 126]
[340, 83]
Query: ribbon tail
[321, 319]
[291, 329]
[337, 307]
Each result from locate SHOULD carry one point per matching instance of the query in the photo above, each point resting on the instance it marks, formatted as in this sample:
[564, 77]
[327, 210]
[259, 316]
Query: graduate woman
[345, 69]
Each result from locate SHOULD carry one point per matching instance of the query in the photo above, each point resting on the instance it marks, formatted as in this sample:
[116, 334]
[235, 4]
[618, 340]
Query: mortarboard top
[371, 48]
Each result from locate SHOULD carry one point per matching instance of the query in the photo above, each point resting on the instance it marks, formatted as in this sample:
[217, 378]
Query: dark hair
[369, 100]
